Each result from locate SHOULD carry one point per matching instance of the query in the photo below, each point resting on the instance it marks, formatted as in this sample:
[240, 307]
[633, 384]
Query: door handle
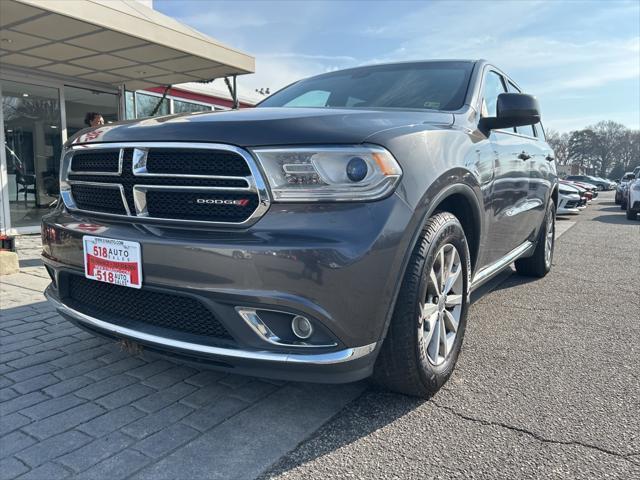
[549, 158]
[524, 156]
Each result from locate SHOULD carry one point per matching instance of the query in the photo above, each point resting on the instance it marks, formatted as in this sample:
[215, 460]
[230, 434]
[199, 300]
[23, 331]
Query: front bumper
[345, 365]
[336, 264]
[568, 204]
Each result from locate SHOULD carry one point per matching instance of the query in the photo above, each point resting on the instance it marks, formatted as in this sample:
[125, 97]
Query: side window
[540, 131]
[493, 86]
[526, 129]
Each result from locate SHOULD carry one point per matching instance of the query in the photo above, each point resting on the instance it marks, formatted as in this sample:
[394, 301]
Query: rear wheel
[539, 264]
[426, 331]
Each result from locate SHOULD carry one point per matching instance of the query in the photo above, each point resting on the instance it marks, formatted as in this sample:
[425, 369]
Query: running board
[496, 267]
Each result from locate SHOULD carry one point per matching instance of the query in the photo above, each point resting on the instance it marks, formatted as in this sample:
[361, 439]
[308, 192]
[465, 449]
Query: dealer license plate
[112, 261]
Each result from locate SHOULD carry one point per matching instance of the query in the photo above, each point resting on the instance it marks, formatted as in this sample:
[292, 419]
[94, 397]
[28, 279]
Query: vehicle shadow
[30, 262]
[374, 410]
[619, 219]
[506, 279]
[614, 208]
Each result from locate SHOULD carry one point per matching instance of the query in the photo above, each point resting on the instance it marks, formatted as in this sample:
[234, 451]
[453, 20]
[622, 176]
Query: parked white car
[633, 199]
[626, 178]
[568, 200]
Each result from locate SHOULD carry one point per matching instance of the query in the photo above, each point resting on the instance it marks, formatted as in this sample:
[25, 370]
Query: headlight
[349, 173]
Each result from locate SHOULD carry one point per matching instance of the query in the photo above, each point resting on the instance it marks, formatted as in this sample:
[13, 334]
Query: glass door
[33, 142]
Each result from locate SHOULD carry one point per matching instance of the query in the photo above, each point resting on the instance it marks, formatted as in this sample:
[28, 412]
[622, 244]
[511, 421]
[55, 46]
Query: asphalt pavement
[547, 385]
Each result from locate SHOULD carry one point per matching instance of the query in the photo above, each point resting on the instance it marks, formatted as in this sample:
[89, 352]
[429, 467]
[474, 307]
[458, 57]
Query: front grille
[201, 206]
[571, 204]
[196, 162]
[103, 161]
[98, 198]
[220, 173]
[122, 305]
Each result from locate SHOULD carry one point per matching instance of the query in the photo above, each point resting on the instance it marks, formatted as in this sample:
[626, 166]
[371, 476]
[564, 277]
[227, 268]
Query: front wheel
[426, 331]
[539, 264]
[631, 214]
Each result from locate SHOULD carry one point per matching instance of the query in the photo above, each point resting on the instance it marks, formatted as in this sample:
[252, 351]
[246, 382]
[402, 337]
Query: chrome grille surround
[255, 184]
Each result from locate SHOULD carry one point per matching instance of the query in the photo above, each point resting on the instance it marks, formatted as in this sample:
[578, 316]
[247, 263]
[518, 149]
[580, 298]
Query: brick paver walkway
[75, 405]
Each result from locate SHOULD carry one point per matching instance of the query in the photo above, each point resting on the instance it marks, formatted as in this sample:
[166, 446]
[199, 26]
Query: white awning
[114, 42]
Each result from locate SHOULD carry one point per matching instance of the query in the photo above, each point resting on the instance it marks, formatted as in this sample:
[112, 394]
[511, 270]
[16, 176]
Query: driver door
[510, 188]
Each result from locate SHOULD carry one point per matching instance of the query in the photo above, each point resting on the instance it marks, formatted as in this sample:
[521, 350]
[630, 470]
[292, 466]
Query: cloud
[304, 56]
[556, 50]
[278, 70]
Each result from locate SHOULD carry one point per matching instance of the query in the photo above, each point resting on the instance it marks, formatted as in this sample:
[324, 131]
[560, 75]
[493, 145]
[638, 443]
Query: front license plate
[112, 261]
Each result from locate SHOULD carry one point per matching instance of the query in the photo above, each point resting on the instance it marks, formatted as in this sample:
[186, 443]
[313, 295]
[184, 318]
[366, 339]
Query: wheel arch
[463, 196]
[461, 202]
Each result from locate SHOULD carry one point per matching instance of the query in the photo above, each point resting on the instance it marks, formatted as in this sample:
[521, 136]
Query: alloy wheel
[440, 313]
[549, 239]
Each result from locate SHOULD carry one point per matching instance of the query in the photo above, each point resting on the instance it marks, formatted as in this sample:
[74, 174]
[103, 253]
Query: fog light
[301, 327]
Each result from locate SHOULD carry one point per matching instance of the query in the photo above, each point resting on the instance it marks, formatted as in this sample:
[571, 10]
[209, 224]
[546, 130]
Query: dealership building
[61, 59]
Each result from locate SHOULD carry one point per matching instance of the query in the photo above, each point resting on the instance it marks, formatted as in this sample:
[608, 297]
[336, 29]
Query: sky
[580, 58]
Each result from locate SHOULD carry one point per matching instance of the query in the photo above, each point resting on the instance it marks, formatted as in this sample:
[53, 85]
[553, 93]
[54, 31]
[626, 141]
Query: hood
[569, 189]
[263, 126]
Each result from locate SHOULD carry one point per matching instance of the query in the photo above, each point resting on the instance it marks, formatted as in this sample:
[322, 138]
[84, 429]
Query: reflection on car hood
[263, 126]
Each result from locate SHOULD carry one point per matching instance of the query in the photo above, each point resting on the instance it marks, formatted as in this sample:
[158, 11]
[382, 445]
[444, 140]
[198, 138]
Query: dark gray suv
[332, 233]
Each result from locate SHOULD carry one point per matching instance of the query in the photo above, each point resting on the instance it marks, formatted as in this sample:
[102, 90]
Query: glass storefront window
[129, 105]
[79, 101]
[145, 104]
[141, 105]
[180, 106]
[33, 143]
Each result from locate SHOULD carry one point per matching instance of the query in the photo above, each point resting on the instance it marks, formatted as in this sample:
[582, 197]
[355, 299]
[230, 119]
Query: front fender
[436, 163]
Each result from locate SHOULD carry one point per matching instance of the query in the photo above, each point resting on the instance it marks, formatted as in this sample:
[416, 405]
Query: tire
[539, 264]
[617, 200]
[415, 359]
[623, 205]
[631, 214]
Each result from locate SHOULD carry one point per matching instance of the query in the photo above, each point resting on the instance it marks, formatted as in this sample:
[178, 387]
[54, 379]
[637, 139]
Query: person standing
[93, 119]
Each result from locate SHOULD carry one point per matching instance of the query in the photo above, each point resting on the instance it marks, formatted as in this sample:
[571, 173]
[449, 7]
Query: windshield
[428, 85]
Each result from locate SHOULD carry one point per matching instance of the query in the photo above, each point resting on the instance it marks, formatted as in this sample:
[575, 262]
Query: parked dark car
[333, 233]
[600, 183]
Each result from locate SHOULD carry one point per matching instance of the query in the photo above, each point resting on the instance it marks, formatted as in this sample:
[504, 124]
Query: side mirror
[513, 110]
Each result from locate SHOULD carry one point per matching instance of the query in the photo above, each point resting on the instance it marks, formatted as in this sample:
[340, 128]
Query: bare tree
[581, 147]
[608, 138]
[628, 154]
[559, 142]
